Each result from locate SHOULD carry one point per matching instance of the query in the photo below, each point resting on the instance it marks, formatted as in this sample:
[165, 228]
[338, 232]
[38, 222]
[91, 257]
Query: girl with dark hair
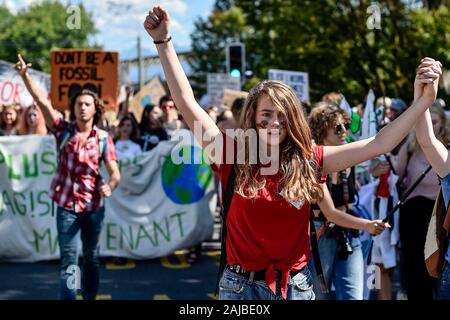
[151, 127]
[128, 135]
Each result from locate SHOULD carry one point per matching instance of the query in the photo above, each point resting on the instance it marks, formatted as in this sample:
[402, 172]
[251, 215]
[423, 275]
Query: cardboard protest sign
[149, 94]
[296, 80]
[12, 88]
[218, 82]
[76, 69]
[230, 95]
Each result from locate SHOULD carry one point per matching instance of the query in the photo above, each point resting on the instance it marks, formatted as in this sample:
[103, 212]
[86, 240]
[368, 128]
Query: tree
[210, 38]
[336, 42]
[5, 18]
[36, 30]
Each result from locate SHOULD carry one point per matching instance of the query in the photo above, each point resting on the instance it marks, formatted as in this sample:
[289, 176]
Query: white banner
[299, 81]
[12, 88]
[159, 206]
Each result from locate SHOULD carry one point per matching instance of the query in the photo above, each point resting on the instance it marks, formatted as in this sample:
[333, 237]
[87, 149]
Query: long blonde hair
[443, 135]
[24, 129]
[298, 171]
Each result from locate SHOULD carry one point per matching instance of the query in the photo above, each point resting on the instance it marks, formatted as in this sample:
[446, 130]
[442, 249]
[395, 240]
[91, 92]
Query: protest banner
[297, 80]
[149, 94]
[218, 82]
[12, 88]
[75, 69]
[159, 206]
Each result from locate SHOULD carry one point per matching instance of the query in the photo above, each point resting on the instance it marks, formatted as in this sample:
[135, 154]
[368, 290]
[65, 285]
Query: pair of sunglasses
[338, 129]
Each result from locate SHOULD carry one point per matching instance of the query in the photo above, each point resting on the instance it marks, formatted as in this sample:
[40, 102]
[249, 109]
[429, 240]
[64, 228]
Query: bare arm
[38, 95]
[435, 152]
[337, 158]
[345, 220]
[157, 26]
[126, 103]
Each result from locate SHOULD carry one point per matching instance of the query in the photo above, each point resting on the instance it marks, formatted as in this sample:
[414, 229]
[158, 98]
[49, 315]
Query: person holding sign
[267, 222]
[78, 188]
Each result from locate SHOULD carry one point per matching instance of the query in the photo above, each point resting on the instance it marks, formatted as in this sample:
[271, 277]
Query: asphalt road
[164, 278]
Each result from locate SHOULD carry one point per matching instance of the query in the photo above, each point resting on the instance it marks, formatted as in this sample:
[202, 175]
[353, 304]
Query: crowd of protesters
[329, 126]
[400, 247]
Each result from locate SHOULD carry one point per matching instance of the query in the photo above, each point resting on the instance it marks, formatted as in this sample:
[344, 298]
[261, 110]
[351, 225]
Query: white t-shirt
[127, 149]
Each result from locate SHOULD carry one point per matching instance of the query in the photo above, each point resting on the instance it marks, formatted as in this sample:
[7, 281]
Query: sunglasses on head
[338, 129]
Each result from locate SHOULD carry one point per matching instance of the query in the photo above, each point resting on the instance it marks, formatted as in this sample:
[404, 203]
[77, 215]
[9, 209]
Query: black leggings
[415, 216]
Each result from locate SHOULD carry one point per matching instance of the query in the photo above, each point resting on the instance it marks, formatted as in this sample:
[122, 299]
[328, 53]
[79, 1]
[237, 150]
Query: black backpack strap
[316, 256]
[226, 202]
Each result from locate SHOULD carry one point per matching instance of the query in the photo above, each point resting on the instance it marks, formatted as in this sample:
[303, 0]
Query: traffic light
[236, 59]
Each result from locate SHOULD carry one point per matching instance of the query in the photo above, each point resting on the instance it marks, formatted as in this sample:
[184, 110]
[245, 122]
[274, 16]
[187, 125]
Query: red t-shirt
[267, 232]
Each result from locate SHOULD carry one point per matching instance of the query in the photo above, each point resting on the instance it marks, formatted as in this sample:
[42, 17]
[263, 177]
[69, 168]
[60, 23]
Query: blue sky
[120, 21]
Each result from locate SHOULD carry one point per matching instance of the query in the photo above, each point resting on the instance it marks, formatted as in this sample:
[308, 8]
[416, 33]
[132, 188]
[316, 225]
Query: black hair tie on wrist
[163, 41]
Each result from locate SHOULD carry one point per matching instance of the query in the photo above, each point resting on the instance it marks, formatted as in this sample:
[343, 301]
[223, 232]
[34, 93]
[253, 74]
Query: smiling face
[270, 122]
[9, 116]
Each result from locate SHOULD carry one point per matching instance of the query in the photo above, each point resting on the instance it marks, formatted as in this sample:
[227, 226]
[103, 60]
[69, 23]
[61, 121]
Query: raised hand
[427, 79]
[157, 23]
[21, 66]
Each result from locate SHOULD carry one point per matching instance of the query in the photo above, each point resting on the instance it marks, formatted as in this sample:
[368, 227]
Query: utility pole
[141, 63]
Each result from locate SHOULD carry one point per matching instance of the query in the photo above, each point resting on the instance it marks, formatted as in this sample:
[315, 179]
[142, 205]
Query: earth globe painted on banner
[186, 178]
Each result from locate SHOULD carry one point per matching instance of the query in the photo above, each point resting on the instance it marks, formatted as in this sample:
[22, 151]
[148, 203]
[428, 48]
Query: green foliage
[331, 40]
[34, 31]
[210, 38]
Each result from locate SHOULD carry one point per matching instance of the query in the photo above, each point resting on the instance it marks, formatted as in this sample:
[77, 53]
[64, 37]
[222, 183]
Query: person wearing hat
[396, 108]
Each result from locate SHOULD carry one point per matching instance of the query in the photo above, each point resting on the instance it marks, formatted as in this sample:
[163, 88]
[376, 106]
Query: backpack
[436, 243]
[226, 202]
[70, 130]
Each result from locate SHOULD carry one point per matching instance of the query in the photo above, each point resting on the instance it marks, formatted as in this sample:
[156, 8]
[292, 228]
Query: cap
[398, 104]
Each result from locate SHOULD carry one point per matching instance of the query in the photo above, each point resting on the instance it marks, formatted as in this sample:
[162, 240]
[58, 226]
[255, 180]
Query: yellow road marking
[161, 297]
[97, 297]
[213, 296]
[111, 265]
[181, 262]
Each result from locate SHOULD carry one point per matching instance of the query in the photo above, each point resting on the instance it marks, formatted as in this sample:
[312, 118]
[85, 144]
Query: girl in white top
[128, 131]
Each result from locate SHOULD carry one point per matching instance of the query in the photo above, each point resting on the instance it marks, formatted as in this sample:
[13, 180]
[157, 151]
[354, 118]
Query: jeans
[347, 275]
[444, 290]
[233, 286]
[69, 225]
